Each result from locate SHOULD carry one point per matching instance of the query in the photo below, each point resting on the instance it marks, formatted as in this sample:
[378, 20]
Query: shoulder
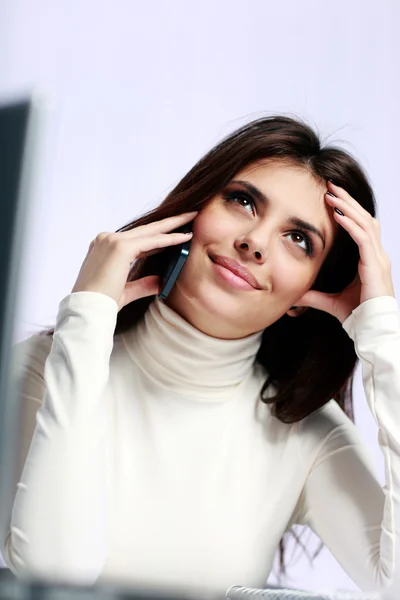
[322, 421]
[29, 356]
[326, 430]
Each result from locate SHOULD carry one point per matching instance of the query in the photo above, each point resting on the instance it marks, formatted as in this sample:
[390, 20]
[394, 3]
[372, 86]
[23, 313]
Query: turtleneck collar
[185, 360]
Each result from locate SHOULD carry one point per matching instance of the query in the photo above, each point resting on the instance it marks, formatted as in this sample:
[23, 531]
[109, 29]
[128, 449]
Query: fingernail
[330, 194]
[339, 212]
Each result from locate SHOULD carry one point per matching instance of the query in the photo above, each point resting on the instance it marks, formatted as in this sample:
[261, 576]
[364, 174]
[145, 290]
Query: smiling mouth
[231, 278]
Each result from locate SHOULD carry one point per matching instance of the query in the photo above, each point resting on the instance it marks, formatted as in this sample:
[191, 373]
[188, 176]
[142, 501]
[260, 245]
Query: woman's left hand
[374, 277]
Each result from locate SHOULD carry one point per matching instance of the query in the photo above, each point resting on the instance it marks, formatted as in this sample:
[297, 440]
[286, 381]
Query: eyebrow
[296, 221]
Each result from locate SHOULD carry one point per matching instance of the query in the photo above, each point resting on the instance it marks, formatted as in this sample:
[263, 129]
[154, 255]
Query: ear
[296, 311]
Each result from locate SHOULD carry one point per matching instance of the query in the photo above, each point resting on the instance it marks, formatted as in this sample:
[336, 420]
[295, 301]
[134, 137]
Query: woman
[176, 442]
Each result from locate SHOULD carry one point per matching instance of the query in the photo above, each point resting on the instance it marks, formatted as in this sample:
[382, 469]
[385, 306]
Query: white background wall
[143, 89]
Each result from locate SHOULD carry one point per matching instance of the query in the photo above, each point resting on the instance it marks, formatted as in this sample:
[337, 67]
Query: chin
[198, 297]
[204, 301]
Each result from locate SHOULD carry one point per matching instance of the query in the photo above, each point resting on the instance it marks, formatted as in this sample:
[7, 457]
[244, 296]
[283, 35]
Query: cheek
[210, 227]
[288, 275]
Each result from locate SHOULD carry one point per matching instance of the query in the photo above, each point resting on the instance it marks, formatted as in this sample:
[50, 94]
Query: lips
[237, 269]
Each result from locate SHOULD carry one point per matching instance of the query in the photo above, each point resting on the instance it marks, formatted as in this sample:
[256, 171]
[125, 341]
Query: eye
[308, 248]
[240, 198]
[245, 200]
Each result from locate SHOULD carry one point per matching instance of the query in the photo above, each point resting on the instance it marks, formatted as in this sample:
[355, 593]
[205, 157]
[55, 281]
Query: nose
[251, 247]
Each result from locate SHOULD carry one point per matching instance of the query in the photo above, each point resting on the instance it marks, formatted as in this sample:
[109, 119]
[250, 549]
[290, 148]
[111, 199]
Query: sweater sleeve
[342, 500]
[58, 526]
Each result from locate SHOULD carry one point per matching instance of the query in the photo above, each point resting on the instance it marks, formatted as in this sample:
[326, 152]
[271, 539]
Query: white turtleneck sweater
[154, 462]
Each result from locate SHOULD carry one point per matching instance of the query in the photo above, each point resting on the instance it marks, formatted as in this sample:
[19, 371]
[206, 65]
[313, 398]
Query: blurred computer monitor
[19, 135]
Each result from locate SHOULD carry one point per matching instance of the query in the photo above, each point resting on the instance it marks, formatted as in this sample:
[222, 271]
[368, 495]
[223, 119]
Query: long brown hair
[324, 368]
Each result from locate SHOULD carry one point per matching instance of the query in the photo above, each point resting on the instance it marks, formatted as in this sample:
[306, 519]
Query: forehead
[293, 182]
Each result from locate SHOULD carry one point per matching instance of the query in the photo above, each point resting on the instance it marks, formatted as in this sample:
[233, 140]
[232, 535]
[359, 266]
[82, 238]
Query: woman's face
[251, 222]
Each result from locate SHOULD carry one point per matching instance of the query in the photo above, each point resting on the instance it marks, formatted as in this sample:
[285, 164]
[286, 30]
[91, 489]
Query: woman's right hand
[110, 255]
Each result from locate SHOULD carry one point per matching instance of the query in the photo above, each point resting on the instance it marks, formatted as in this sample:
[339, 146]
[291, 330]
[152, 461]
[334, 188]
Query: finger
[145, 244]
[367, 243]
[363, 220]
[151, 252]
[140, 288]
[318, 300]
[145, 286]
[341, 193]
[378, 227]
[154, 251]
[161, 226]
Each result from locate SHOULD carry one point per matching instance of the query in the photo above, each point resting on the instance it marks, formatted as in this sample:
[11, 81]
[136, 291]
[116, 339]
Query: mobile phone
[174, 257]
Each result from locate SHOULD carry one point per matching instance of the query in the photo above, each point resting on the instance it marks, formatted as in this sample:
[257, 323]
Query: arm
[342, 500]
[58, 524]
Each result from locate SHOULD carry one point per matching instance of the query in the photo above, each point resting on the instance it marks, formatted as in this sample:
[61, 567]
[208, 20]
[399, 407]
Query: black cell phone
[174, 258]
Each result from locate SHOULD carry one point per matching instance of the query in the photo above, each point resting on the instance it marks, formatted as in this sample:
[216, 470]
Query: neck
[186, 360]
